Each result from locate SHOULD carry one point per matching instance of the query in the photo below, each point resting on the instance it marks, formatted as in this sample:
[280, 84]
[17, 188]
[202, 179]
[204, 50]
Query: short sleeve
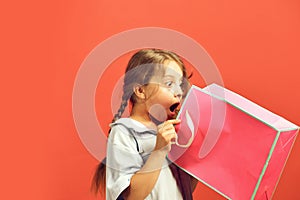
[123, 161]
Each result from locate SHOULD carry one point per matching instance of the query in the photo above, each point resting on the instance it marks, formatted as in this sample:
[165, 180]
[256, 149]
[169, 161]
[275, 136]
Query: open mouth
[174, 106]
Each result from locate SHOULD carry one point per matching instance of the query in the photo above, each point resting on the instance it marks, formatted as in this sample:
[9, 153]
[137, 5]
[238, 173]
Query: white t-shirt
[127, 154]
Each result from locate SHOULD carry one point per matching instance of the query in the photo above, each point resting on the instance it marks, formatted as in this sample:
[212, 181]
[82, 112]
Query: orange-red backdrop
[255, 45]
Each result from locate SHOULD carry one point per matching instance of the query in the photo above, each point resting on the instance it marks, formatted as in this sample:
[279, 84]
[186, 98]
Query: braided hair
[142, 66]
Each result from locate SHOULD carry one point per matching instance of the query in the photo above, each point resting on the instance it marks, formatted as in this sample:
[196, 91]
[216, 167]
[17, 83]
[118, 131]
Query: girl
[136, 166]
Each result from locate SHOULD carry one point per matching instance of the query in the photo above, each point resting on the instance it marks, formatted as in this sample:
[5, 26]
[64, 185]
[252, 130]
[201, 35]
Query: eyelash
[171, 83]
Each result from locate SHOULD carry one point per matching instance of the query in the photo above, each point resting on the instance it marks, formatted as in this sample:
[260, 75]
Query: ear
[139, 91]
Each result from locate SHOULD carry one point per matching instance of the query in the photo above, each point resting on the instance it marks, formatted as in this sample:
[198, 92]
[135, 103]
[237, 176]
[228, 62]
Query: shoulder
[127, 132]
[131, 126]
[129, 123]
[122, 134]
[122, 127]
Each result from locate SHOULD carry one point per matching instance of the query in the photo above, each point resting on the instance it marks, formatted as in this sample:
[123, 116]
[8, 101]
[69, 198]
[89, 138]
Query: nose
[178, 91]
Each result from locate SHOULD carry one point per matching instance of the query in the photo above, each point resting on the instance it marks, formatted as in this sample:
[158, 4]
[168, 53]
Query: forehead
[173, 69]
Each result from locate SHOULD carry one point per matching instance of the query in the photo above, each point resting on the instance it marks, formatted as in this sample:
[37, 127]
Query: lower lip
[172, 113]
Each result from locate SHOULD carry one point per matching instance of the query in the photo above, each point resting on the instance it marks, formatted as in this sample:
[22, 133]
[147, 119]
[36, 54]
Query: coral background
[255, 45]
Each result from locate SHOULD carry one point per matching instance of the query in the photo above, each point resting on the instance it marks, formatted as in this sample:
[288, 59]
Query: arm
[143, 182]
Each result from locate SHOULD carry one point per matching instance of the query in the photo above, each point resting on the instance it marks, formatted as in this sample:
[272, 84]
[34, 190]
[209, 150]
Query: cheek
[166, 94]
[163, 97]
[158, 112]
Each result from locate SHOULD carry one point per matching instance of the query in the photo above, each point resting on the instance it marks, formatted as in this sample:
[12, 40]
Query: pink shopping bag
[231, 144]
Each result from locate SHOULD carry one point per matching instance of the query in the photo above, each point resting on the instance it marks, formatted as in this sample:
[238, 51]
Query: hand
[165, 135]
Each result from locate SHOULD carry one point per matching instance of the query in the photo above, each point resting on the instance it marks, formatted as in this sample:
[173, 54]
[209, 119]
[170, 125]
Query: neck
[140, 114]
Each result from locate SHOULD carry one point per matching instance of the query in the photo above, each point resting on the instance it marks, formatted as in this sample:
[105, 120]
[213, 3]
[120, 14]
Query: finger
[173, 138]
[169, 124]
[169, 135]
[168, 132]
[174, 121]
[167, 127]
[171, 121]
[164, 126]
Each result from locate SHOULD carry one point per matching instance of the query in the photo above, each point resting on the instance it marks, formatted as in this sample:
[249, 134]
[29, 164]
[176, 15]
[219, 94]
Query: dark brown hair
[142, 66]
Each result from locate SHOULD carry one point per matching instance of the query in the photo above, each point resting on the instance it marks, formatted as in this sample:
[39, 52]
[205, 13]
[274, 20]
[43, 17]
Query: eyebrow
[171, 76]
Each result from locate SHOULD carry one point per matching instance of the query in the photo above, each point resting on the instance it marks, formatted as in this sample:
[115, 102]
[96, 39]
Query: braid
[123, 105]
[120, 110]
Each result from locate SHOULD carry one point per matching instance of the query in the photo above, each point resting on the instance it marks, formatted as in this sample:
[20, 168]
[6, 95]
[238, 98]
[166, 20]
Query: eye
[181, 83]
[169, 83]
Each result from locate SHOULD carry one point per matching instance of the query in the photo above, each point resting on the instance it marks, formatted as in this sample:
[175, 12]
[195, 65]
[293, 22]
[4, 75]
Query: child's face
[165, 92]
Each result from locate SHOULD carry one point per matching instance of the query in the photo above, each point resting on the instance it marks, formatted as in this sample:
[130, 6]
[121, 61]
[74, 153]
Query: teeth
[173, 107]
